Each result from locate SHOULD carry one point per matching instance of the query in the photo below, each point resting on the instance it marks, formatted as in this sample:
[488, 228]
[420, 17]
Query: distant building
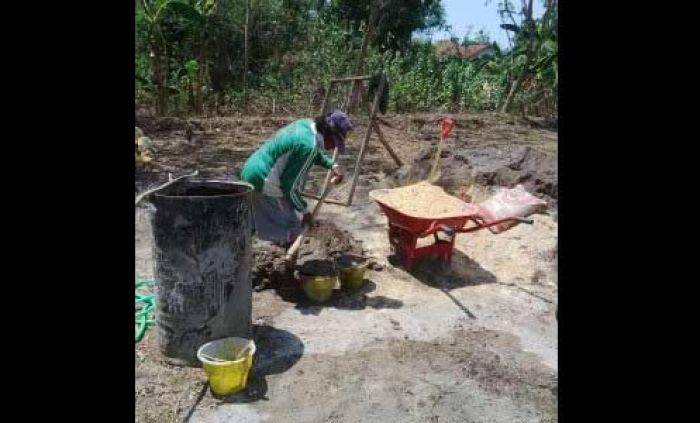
[449, 48]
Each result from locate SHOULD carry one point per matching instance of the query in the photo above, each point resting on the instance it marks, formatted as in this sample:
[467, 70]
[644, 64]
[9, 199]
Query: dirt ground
[475, 341]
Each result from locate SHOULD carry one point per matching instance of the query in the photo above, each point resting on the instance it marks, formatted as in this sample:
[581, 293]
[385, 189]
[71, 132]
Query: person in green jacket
[278, 168]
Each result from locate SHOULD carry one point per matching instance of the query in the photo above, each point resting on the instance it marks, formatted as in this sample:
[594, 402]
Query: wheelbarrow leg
[406, 251]
[452, 249]
[408, 262]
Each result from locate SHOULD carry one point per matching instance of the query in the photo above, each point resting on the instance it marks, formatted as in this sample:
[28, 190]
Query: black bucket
[202, 233]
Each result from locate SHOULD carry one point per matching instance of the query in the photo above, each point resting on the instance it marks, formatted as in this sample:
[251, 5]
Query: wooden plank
[327, 200]
[384, 122]
[380, 134]
[351, 78]
[386, 145]
[368, 37]
[368, 134]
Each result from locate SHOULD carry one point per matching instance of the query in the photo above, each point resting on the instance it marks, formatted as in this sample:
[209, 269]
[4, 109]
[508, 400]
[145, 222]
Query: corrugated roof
[449, 48]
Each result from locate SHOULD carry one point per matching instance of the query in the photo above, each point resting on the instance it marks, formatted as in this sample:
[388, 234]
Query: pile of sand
[422, 200]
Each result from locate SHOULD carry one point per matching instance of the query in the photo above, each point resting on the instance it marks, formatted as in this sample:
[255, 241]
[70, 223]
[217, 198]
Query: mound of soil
[322, 244]
[268, 264]
[504, 166]
[325, 240]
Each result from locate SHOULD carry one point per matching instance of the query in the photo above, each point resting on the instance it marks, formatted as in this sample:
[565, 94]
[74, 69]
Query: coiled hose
[144, 309]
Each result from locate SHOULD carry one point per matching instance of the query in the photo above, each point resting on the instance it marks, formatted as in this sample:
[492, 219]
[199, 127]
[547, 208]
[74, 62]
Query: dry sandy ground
[475, 342]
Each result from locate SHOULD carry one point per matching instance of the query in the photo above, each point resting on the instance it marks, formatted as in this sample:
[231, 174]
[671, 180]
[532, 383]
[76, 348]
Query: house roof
[475, 49]
[449, 48]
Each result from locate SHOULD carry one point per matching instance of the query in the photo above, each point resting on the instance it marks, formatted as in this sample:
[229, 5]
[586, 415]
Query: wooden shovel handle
[297, 242]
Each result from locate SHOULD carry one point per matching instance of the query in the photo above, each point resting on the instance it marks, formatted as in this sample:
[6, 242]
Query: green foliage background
[190, 57]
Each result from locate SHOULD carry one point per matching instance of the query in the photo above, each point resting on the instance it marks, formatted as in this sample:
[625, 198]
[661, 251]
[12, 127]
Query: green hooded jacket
[278, 168]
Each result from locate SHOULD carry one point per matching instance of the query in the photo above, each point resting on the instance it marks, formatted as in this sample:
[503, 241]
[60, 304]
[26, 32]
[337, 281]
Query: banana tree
[197, 17]
[534, 50]
[152, 14]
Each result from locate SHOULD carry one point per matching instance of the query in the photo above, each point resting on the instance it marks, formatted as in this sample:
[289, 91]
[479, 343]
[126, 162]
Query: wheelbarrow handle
[507, 219]
[482, 223]
[451, 230]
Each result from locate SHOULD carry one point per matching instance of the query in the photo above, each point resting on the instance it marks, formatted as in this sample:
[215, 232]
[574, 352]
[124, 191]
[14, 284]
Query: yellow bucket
[318, 288]
[352, 278]
[352, 271]
[227, 364]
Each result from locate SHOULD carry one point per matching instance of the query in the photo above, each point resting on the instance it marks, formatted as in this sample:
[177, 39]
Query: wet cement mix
[323, 243]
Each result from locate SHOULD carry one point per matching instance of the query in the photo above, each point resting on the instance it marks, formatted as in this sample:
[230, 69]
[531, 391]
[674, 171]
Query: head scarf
[339, 124]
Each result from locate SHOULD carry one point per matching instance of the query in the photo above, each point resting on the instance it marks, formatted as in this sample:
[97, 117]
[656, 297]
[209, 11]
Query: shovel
[446, 125]
[297, 243]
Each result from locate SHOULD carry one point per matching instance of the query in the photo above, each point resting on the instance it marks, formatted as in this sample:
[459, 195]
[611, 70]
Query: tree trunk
[201, 75]
[191, 98]
[245, 53]
[511, 93]
[159, 79]
[201, 84]
[530, 27]
[358, 70]
[369, 34]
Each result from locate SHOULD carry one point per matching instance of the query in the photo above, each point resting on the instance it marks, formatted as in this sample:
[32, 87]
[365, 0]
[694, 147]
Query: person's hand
[337, 174]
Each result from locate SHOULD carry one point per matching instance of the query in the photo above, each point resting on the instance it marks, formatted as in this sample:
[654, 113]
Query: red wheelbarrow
[405, 230]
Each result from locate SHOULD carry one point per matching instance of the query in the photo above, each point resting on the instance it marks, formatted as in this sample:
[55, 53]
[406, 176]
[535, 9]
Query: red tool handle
[446, 125]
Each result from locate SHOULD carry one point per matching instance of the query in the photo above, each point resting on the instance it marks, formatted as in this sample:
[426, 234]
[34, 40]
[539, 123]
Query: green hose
[144, 312]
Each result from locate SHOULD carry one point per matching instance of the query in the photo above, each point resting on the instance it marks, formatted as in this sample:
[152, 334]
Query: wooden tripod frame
[373, 126]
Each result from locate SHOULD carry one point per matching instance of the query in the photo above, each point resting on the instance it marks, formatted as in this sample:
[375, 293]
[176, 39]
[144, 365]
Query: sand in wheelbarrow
[423, 200]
